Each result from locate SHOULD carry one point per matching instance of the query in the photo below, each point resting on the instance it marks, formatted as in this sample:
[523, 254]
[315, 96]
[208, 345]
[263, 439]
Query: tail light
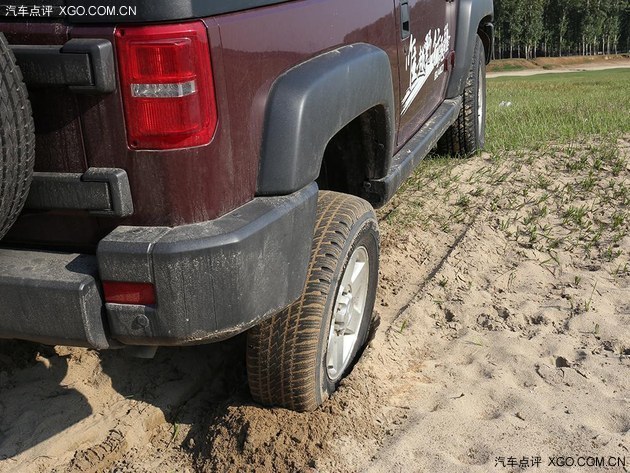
[167, 85]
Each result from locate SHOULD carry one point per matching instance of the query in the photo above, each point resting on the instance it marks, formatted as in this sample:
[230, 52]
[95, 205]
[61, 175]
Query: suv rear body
[120, 245]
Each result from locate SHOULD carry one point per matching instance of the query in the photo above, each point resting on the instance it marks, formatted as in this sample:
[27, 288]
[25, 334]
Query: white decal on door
[421, 61]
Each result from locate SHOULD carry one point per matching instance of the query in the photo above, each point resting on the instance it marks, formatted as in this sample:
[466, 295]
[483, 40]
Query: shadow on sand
[42, 390]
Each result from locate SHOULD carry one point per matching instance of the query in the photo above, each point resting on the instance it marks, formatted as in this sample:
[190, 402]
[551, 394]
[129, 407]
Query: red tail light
[129, 293]
[167, 86]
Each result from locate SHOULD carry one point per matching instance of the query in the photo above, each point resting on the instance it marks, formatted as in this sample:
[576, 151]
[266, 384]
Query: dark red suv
[194, 169]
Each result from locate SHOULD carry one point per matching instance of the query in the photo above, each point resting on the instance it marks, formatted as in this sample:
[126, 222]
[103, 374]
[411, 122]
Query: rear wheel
[297, 358]
[17, 139]
[468, 134]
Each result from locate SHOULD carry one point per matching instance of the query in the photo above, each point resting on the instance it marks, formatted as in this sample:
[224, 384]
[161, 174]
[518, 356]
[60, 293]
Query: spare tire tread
[17, 139]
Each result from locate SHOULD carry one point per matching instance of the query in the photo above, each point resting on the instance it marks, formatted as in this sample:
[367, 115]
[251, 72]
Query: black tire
[17, 139]
[467, 135]
[287, 354]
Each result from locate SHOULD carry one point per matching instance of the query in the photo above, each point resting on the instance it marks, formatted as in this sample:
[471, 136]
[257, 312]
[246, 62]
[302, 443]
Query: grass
[506, 67]
[556, 108]
[572, 197]
[554, 180]
[590, 300]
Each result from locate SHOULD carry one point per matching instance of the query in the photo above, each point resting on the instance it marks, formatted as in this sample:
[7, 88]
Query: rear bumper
[212, 280]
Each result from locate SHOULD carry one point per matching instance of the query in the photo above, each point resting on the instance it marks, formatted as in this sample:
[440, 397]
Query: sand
[504, 337]
[558, 68]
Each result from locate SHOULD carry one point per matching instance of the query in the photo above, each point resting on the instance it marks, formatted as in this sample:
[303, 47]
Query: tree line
[531, 28]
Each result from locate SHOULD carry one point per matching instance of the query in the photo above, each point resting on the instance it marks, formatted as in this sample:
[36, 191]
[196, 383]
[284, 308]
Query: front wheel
[297, 358]
[468, 134]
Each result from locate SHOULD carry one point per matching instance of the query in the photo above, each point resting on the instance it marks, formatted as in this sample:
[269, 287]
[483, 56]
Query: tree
[560, 27]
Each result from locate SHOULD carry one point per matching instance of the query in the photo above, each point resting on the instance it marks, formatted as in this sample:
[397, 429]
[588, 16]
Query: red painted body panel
[249, 51]
[261, 44]
[426, 18]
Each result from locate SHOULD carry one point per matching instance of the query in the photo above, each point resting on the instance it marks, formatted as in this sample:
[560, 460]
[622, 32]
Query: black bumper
[212, 280]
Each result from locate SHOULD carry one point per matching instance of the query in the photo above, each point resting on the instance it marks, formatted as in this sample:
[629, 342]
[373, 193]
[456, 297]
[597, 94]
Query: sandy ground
[504, 337]
[590, 66]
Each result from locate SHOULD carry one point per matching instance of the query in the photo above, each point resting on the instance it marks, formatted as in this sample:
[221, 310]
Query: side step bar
[380, 191]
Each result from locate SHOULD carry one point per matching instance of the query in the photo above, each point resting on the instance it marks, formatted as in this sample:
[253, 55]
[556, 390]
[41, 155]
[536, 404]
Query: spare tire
[17, 139]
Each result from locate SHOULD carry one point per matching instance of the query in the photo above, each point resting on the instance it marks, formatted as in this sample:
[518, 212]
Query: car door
[425, 49]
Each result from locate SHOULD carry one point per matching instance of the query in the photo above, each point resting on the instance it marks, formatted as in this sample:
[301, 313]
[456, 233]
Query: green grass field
[507, 68]
[555, 176]
[556, 108]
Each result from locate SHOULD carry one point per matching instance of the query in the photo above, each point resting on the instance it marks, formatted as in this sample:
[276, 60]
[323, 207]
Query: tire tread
[282, 351]
[17, 139]
[461, 137]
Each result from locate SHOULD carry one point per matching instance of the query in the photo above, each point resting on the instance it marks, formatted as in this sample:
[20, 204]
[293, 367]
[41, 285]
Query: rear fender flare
[313, 101]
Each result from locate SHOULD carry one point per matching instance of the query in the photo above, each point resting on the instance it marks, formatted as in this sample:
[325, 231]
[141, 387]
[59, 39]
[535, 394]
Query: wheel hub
[348, 313]
[343, 313]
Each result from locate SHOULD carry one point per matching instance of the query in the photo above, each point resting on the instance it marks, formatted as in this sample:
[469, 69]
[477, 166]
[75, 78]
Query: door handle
[405, 19]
